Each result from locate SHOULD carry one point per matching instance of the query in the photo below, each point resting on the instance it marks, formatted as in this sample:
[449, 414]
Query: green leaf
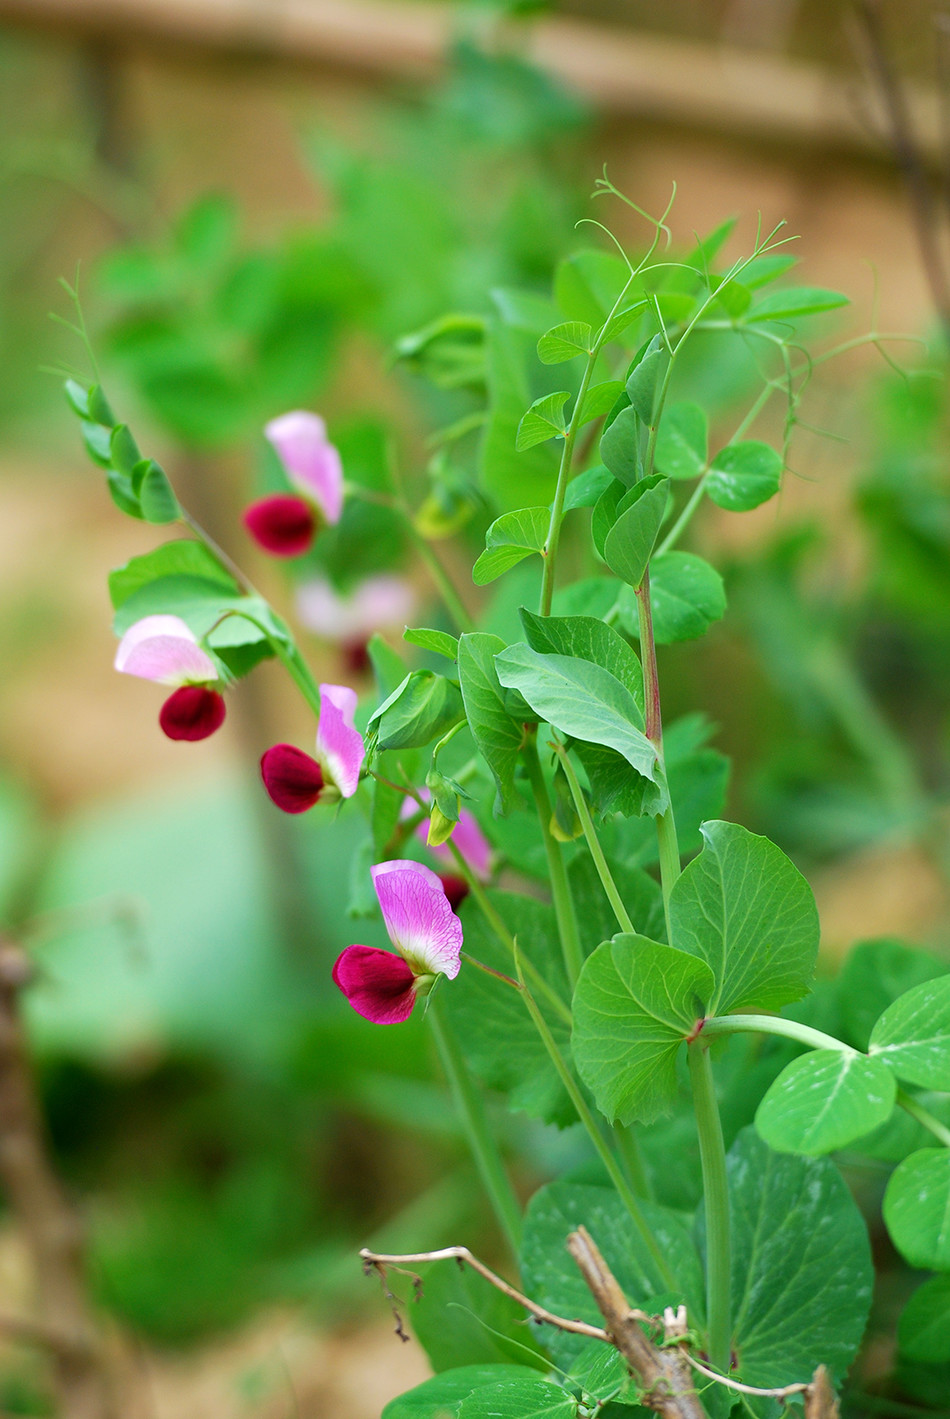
[384, 816]
[825, 1100]
[439, 642]
[630, 542]
[636, 1002]
[587, 284]
[923, 1331]
[542, 421]
[99, 409]
[794, 301]
[912, 1037]
[624, 319]
[78, 397]
[497, 735]
[586, 638]
[519, 1399]
[765, 269]
[419, 710]
[743, 475]
[98, 441]
[586, 488]
[459, 1318]
[794, 1219]
[123, 451]
[551, 1278]
[604, 516]
[154, 492]
[495, 1032]
[512, 479]
[682, 441]
[917, 1209]
[620, 446]
[642, 382]
[122, 494]
[582, 700]
[743, 907]
[565, 342]
[511, 538]
[183, 557]
[641, 895]
[442, 1396]
[599, 400]
[873, 976]
[686, 596]
[389, 669]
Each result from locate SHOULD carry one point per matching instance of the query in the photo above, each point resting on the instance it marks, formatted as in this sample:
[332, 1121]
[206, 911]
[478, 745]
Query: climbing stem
[560, 886]
[593, 843]
[563, 478]
[924, 1117]
[774, 1025]
[614, 1171]
[471, 1109]
[716, 1202]
[653, 726]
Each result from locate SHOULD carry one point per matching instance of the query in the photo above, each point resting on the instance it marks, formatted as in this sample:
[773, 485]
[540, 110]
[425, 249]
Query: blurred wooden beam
[619, 71]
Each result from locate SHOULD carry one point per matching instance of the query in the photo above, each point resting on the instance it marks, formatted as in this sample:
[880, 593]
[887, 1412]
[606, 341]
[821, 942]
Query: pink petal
[164, 649]
[378, 985]
[282, 524]
[313, 464]
[382, 601]
[191, 713]
[421, 924]
[339, 744]
[293, 780]
[378, 601]
[455, 888]
[467, 836]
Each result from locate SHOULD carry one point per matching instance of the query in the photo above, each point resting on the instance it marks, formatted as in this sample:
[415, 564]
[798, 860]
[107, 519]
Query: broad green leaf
[591, 596]
[620, 446]
[917, 1209]
[384, 816]
[543, 421]
[624, 318]
[565, 342]
[682, 441]
[586, 488]
[510, 478]
[686, 596]
[551, 1278]
[912, 1037]
[389, 669]
[495, 1032]
[765, 269]
[586, 638]
[604, 516]
[519, 1399]
[123, 451]
[825, 1100]
[641, 895]
[182, 557]
[743, 475]
[641, 385]
[154, 492]
[459, 1318]
[587, 284]
[630, 542]
[439, 642]
[873, 976]
[497, 735]
[599, 400]
[511, 538]
[801, 1265]
[636, 1002]
[582, 700]
[242, 624]
[794, 301]
[732, 298]
[419, 710]
[442, 1396]
[923, 1331]
[743, 907]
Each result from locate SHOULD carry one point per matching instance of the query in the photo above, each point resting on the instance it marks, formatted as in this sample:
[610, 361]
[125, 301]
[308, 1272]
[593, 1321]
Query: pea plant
[583, 932]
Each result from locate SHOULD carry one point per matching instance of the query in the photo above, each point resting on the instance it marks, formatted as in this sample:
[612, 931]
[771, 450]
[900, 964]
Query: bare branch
[783, 1393]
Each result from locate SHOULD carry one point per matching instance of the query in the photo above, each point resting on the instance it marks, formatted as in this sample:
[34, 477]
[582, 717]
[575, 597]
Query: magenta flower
[295, 781]
[285, 524]
[424, 930]
[349, 621]
[166, 650]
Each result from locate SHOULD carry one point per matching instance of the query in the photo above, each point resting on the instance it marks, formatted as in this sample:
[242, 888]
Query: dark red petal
[355, 656]
[455, 888]
[293, 780]
[192, 712]
[283, 525]
[377, 984]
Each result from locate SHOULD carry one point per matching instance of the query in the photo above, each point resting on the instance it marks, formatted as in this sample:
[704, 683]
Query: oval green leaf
[511, 538]
[923, 1331]
[744, 475]
[543, 421]
[682, 441]
[917, 1209]
[630, 542]
[686, 596]
[913, 1035]
[825, 1100]
[565, 342]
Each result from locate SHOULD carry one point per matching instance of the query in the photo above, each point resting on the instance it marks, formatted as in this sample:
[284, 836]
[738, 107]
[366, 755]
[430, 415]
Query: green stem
[667, 842]
[453, 602]
[494, 919]
[614, 1171]
[685, 517]
[774, 1025]
[716, 1201]
[560, 887]
[593, 843]
[471, 1108]
[563, 478]
[924, 1117]
[629, 1150]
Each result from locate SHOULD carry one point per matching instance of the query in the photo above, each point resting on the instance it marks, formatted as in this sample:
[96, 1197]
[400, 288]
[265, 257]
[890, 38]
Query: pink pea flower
[376, 603]
[424, 930]
[470, 841]
[295, 781]
[285, 524]
[166, 650]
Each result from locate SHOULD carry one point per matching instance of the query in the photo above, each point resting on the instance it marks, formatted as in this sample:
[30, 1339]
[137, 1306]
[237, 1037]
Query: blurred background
[260, 200]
